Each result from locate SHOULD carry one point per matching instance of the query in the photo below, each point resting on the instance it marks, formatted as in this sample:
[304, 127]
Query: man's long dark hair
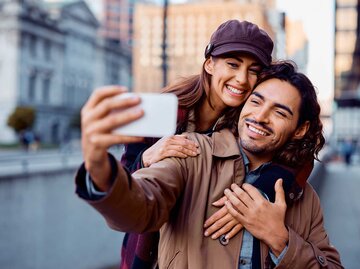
[298, 151]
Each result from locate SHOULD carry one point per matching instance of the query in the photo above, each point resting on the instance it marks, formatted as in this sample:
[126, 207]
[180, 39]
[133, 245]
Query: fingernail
[134, 97]
[138, 110]
[213, 236]
[206, 233]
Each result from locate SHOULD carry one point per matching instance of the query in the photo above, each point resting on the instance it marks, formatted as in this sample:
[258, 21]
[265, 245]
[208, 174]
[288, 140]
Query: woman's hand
[170, 146]
[98, 119]
[221, 222]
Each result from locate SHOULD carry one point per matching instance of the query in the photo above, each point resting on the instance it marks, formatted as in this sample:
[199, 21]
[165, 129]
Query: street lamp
[164, 57]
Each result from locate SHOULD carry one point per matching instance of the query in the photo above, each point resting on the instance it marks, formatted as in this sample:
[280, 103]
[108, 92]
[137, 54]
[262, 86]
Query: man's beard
[252, 148]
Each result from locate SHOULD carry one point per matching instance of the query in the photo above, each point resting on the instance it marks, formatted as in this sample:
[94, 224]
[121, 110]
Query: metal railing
[21, 163]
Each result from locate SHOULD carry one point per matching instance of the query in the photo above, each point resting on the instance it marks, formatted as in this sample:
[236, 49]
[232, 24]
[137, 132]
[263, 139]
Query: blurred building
[118, 20]
[117, 27]
[52, 59]
[346, 115]
[189, 27]
[296, 43]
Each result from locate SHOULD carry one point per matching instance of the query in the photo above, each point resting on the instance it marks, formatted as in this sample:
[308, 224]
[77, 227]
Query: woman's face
[232, 79]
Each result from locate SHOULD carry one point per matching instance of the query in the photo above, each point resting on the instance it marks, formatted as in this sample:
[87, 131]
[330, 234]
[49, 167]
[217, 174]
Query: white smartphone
[160, 115]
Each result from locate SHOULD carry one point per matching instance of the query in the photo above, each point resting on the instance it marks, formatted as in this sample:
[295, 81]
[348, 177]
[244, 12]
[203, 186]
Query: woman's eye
[233, 65]
[254, 71]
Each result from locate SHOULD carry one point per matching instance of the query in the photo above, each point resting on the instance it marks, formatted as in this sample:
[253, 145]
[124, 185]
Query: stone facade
[52, 59]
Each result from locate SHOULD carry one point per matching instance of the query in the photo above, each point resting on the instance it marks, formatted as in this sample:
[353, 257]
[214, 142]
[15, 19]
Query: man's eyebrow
[276, 104]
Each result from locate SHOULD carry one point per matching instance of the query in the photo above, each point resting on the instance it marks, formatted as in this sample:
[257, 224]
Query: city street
[340, 199]
[44, 224]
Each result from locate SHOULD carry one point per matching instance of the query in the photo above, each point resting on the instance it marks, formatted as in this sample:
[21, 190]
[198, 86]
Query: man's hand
[170, 146]
[263, 219]
[98, 119]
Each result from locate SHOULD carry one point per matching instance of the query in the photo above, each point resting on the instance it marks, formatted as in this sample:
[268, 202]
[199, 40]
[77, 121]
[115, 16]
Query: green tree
[21, 118]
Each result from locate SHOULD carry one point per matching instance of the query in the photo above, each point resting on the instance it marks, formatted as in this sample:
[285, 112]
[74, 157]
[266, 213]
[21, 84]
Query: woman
[236, 54]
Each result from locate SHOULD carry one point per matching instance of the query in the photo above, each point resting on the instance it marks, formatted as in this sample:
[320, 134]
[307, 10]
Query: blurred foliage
[21, 118]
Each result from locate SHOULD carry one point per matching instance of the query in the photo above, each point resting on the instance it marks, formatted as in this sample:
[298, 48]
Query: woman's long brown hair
[192, 91]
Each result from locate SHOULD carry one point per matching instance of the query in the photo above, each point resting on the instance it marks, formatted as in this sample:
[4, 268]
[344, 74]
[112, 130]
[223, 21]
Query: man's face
[269, 117]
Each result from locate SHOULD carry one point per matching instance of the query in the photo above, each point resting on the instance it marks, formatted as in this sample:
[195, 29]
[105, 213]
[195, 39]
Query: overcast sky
[318, 20]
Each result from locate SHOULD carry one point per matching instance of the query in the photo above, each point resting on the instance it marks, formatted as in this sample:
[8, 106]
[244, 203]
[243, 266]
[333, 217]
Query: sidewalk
[15, 163]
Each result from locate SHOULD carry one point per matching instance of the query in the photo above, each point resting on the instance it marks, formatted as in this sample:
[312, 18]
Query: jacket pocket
[171, 263]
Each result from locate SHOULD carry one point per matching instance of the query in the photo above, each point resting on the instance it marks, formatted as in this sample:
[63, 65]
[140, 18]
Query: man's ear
[209, 65]
[301, 130]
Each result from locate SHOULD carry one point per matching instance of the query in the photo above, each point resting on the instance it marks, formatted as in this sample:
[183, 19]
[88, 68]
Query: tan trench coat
[176, 195]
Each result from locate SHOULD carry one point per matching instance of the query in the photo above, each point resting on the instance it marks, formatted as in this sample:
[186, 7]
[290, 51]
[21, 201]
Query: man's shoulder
[224, 133]
[222, 143]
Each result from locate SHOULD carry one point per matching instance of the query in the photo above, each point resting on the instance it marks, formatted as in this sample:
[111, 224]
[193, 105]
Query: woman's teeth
[234, 90]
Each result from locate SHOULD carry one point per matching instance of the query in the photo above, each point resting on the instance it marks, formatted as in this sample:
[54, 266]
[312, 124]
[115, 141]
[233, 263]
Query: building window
[47, 50]
[114, 73]
[32, 87]
[32, 45]
[46, 89]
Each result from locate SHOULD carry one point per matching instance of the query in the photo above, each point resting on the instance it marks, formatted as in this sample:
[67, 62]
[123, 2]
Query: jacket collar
[225, 144]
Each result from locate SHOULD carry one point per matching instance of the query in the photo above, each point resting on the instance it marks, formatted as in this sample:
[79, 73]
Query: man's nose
[261, 115]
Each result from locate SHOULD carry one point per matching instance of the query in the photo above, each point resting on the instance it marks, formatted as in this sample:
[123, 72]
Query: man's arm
[142, 201]
[99, 116]
[314, 251]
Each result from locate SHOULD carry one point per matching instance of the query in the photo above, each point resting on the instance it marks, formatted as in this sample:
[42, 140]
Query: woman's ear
[209, 66]
[301, 130]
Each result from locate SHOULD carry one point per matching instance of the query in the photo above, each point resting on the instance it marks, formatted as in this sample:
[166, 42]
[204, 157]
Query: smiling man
[278, 123]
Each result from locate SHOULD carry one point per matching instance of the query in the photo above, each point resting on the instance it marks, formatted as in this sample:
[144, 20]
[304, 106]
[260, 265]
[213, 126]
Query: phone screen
[160, 115]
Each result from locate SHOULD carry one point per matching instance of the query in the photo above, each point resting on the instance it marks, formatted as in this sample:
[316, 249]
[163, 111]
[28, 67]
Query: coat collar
[225, 144]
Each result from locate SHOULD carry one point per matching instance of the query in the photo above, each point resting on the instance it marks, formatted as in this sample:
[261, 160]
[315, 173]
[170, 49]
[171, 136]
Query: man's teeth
[257, 130]
[232, 89]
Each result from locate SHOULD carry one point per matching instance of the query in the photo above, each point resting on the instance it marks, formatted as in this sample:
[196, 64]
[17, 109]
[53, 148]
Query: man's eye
[254, 101]
[280, 113]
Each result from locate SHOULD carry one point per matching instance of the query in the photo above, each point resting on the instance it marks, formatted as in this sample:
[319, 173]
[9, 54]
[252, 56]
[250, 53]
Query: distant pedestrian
[26, 139]
[347, 149]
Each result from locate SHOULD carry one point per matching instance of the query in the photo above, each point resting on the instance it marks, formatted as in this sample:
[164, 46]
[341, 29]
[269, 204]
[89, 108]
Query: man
[279, 122]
